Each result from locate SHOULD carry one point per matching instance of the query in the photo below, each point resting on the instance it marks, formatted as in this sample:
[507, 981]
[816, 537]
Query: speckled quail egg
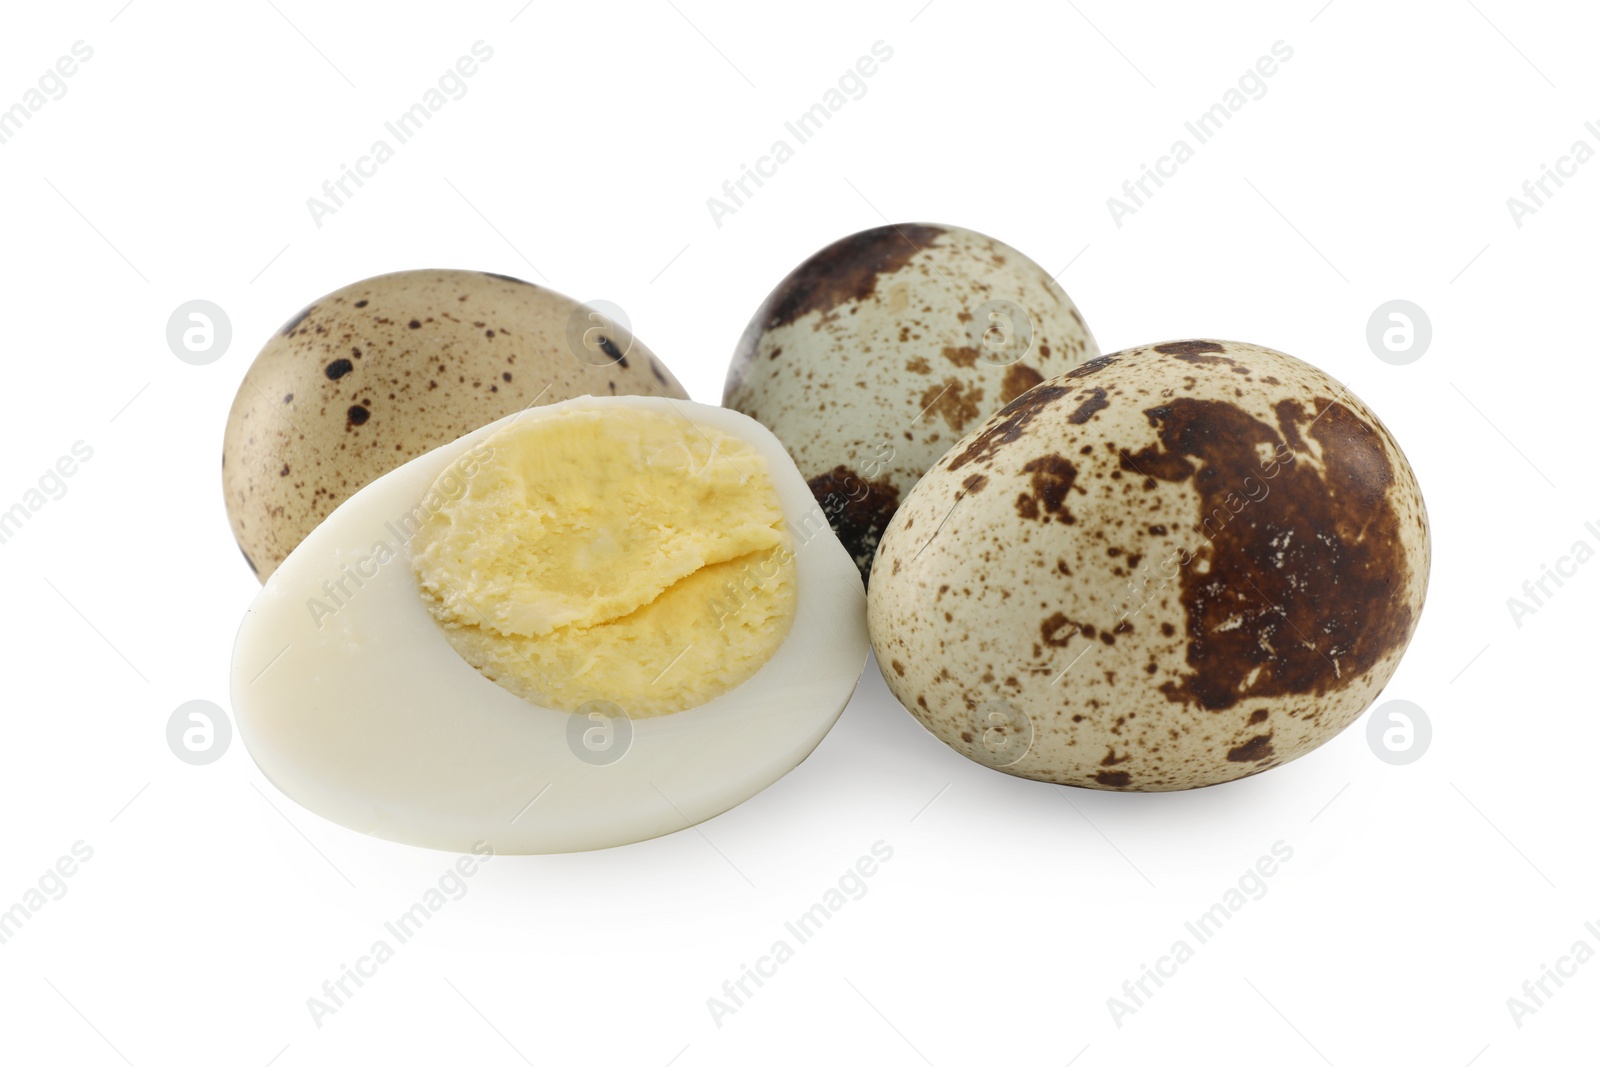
[1170, 567]
[873, 356]
[383, 370]
[586, 624]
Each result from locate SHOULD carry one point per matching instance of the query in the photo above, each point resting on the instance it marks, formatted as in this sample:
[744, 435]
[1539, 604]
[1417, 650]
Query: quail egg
[383, 370]
[878, 352]
[1170, 567]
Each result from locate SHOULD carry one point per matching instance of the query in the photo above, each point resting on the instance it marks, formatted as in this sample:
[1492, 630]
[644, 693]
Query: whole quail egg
[383, 370]
[1170, 567]
[873, 356]
[586, 624]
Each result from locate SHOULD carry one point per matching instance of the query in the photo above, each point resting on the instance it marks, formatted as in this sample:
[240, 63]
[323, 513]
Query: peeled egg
[1171, 567]
[586, 624]
[384, 369]
[874, 355]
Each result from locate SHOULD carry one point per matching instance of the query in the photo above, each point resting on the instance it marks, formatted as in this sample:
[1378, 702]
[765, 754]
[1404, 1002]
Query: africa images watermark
[851, 85]
[51, 485]
[1255, 491]
[51, 885]
[451, 85]
[447, 488]
[1536, 592]
[739, 592]
[1537, 992]
[1251, 885]
[851, 885]
[51, 85]
[451, 885]
[1252, 85]
[849, 486]
[1536, 192]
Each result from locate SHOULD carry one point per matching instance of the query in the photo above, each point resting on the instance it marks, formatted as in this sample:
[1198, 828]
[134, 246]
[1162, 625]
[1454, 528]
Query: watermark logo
[1142, 588]
[1537, 992]
[1537, 592]
[337, 992]
[1399, 332]
[599, 334]
[50, 886]
[1002, 332]
[1537, 192]
[851, 85]
[339, 590]
[199, 732]
[51, 85]
[52, 485]
[851, 885]
[1001, 731]
[1251, 85]
[1399, 732]
[1251, 885]
[740, 592]
[599, 733]
[199, 332]
[450, 85]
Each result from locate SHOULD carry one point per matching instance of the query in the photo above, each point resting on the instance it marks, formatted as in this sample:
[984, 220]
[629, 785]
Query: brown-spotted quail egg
[1170, 567]
[381, 371]
[873, 356]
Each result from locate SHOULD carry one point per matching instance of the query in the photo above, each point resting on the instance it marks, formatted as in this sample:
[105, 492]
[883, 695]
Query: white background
[1377, 166]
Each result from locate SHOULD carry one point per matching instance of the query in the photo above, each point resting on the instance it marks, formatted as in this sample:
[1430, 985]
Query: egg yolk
[626, 556]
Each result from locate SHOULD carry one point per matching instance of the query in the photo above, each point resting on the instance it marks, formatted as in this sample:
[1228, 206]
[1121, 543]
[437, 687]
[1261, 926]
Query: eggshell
[381, 371]
[878, 352]
[1171, 567]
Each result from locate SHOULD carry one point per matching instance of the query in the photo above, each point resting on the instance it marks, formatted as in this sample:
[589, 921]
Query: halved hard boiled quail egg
[584, 625]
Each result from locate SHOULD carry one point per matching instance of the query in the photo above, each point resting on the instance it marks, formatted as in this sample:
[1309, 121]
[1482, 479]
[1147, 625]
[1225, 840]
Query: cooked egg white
[544, 542]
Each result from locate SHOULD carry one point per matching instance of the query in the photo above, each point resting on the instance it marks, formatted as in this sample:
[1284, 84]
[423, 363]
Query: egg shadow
[880, 752]
[873, 775]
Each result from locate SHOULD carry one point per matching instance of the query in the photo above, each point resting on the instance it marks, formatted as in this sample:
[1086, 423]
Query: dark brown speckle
[1298, 595]
[858, 510]
[1019, 378]
[1252, 751]
[1008, 424]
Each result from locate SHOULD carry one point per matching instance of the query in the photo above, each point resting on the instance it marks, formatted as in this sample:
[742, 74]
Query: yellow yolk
[629, 557]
